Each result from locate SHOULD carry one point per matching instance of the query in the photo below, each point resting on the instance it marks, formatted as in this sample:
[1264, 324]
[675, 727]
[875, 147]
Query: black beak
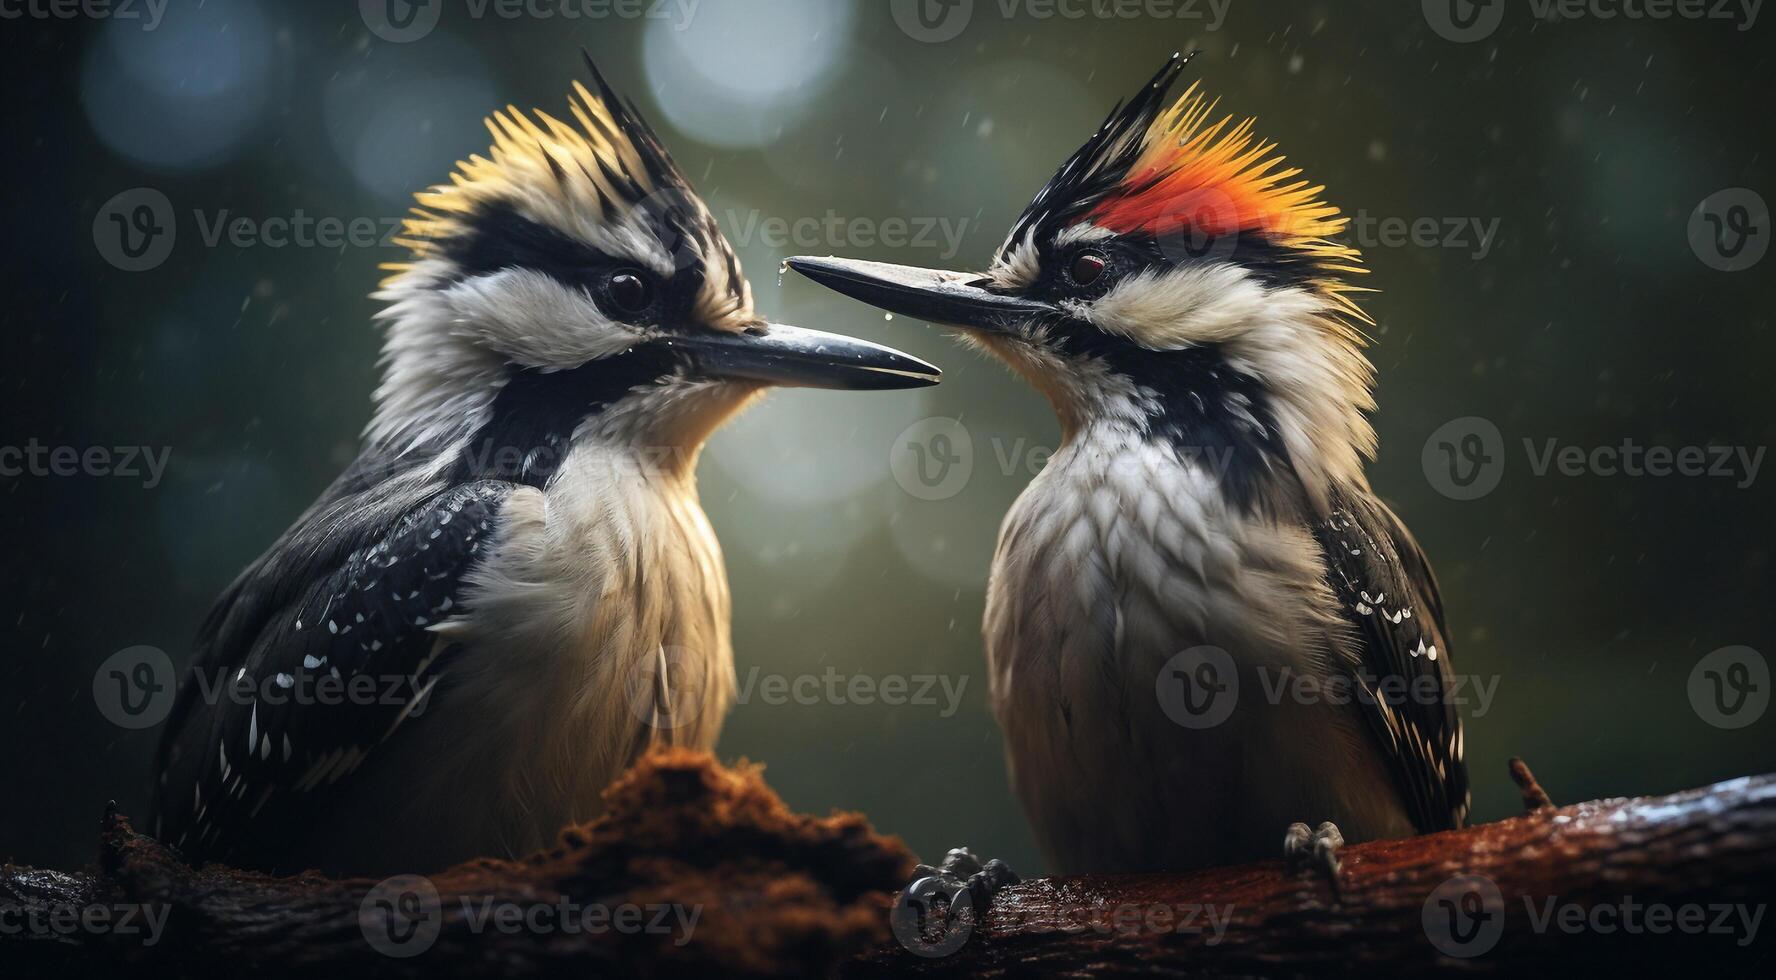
[797, 358]
[956, 299]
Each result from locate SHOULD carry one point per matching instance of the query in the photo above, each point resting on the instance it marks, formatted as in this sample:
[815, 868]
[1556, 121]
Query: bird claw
[1314, 849]
[961, 887]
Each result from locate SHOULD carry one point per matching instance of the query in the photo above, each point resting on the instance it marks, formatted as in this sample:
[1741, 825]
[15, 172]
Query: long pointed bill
[949, 298]
[799, 358]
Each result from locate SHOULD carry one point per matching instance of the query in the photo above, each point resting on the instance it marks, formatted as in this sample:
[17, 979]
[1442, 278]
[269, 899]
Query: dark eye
[1086, 268]
[630, 292]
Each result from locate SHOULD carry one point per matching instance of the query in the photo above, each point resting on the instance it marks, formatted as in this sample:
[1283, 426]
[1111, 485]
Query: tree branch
[1568, 889]
[693, 869]
[1647, 885]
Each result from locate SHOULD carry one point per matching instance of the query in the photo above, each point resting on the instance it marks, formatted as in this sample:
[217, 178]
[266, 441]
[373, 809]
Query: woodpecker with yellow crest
[513, 591]
[1205, 537]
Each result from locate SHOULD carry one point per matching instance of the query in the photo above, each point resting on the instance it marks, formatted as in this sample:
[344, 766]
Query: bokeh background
[1588, 318]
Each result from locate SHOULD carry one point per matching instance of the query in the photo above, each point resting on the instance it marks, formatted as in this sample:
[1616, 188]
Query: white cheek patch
[533, 321]
[1182, 307]
[1016, 266]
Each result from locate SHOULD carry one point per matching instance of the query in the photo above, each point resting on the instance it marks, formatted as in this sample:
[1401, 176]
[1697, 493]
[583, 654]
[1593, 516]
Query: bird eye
[1086, 268]
[630, 292]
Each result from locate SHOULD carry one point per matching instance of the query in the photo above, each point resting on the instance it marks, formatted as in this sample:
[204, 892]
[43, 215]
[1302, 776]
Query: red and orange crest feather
[1217, 177]
[1213, 181]
[1195, 182]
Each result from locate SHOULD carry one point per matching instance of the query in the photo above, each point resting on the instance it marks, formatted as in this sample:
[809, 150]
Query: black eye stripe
[499, 238]
[1269, 261]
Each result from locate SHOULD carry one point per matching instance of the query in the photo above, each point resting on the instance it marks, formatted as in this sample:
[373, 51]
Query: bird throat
[528, 431]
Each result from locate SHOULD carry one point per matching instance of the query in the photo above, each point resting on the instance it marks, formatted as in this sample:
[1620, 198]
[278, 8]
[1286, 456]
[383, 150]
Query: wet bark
[725, 880]
[1653, 885]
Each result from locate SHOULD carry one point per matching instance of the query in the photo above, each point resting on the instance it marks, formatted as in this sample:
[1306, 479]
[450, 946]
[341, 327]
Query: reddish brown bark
[1574, 868]
[783, 894]
[773, 893]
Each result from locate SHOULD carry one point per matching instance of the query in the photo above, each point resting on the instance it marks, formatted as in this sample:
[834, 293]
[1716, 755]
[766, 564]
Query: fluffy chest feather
[600, 625]
[1126, 547]
[1119, 556]
[610, 570]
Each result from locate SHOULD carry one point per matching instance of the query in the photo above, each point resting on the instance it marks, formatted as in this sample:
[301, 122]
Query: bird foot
[1314, 849]
[935, 914]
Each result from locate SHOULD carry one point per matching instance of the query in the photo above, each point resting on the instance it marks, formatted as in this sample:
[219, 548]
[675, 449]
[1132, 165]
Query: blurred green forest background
[1586, 317]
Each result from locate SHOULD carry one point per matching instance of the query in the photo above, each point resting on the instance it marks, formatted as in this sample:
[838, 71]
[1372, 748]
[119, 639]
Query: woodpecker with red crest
[513, 591]
[1205, 536]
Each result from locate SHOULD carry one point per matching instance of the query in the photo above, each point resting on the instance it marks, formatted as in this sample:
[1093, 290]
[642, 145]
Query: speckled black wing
[314, 656]
[1400, 655]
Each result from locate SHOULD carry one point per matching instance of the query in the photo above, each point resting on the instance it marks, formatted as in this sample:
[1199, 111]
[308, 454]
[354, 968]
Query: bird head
[1175, 280]
[571, 278]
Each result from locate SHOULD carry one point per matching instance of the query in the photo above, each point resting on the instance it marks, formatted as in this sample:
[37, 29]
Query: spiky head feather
[1179, 173]
[606, 179]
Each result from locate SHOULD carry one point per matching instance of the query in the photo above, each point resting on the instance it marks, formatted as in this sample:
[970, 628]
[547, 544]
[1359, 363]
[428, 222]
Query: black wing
[313, 656]
[1389, 597]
